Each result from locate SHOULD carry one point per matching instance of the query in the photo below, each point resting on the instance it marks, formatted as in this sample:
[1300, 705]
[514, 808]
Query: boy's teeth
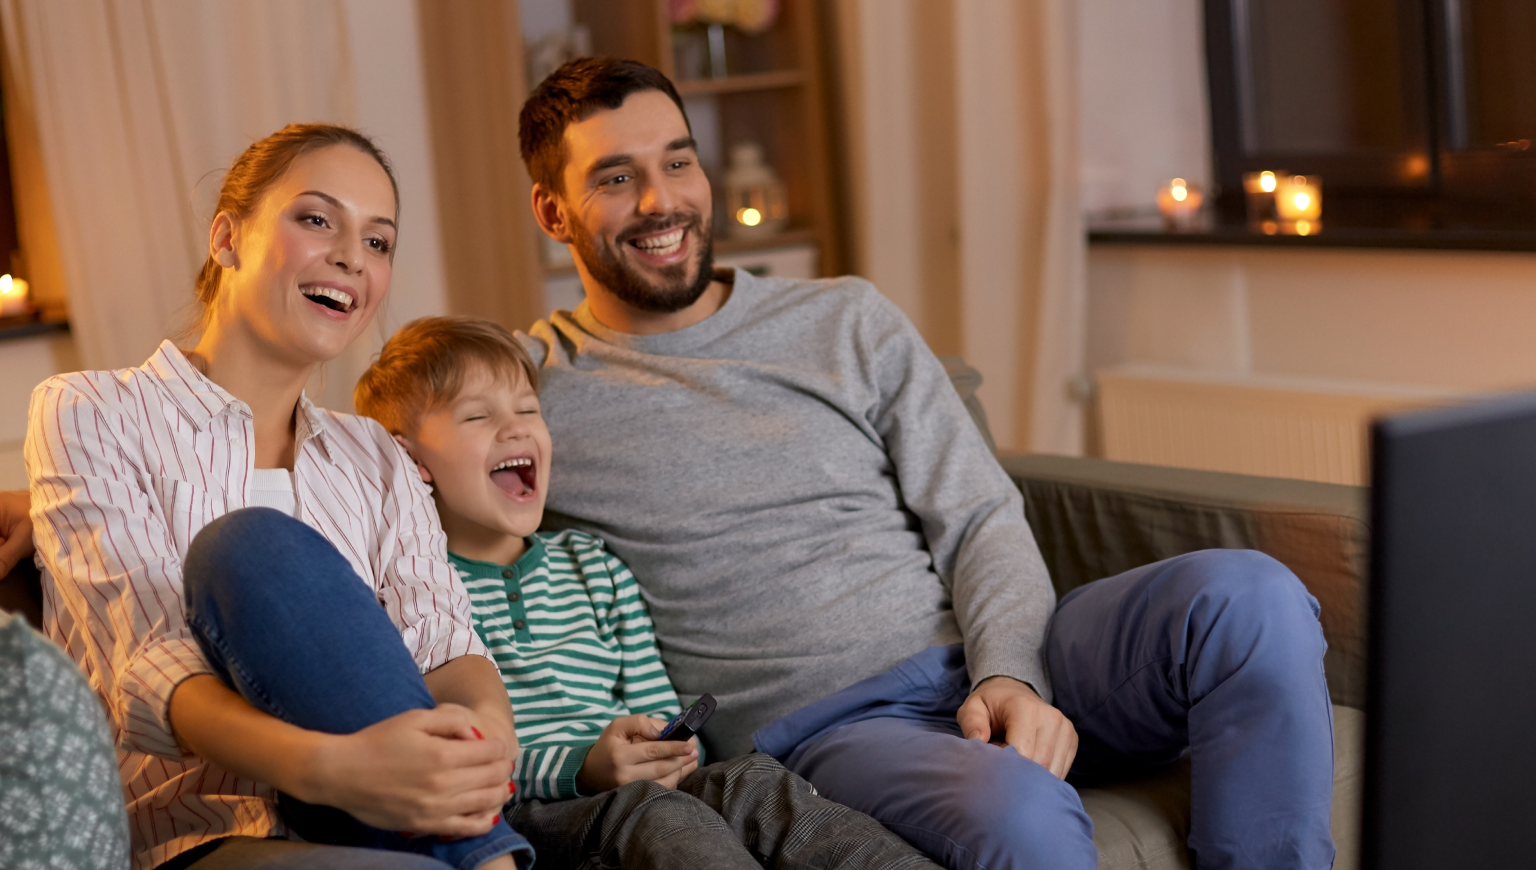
[513, 463]
[340, 296]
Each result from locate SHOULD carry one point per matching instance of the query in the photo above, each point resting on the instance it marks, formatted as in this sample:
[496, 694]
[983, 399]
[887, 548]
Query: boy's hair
[422, 368]
[570, 94]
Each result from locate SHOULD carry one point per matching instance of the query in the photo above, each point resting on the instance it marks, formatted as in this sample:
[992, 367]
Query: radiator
[1271, 426]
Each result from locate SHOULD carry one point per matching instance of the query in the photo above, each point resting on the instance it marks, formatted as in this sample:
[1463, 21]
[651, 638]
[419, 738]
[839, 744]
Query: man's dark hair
[570, 94]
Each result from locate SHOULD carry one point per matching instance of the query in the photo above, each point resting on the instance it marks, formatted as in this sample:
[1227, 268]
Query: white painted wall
[1436, 319]
[1144, 107]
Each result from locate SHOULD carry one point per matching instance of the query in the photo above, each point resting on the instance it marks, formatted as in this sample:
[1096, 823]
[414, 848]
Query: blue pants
[285, 622]
[1218, 652]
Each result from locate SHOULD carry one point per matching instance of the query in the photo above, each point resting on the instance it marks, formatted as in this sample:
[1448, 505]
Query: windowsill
[1384, 223]
[29, 326]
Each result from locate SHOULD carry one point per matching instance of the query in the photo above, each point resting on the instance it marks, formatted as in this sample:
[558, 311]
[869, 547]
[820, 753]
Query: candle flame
[1303, 228]
[749, 216]
[1302, 201]
[1267, 181]
[7, 286]
[1179, 190]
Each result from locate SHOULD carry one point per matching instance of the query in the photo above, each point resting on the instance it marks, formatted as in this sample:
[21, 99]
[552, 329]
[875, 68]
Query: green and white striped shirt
[574, 642]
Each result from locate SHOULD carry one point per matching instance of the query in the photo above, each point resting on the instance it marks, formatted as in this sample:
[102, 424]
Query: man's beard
[675, 291]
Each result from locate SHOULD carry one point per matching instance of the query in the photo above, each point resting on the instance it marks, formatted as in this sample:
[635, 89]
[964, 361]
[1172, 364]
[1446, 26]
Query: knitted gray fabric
[62, 800]
[800, 493]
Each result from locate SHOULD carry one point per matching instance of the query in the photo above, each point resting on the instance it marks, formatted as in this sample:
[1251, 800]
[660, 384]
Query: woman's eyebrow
[337, 203]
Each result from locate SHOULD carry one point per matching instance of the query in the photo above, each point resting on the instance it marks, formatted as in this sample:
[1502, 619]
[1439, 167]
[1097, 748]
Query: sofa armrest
[1095, 518]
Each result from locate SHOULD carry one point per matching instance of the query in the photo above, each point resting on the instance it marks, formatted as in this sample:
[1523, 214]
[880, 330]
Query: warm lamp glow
[13, 297]
[749, 217]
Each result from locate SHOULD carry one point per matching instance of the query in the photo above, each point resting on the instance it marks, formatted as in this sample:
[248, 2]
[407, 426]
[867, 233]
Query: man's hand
[423, 771]
[628, 751]
[1005, 711]
[15, 529]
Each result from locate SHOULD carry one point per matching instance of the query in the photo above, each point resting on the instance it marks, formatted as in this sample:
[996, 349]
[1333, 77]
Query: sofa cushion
[1094, 518]
[1142, 825]
[63, 803]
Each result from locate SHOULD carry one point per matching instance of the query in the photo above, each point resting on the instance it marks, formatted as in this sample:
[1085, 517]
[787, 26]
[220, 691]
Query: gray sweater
[800, 493]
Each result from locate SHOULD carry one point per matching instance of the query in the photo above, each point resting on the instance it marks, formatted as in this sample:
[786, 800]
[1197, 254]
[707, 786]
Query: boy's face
[486, 454]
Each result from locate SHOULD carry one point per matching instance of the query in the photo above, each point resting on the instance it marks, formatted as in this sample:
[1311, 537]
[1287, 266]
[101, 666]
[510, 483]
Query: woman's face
[304, 274]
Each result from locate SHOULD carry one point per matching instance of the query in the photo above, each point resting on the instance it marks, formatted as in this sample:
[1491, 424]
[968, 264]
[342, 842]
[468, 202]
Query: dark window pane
[1492, 69]
[1329, 76]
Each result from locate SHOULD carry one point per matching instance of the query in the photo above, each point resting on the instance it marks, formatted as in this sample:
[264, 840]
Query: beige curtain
[138, 106]
[960, 131]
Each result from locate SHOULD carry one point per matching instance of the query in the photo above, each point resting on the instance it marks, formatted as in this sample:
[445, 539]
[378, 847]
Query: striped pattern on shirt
[574, 642]
[127, 467]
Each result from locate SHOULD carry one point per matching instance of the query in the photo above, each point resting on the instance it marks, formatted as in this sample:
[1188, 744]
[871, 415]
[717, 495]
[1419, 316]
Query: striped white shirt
[127, 467]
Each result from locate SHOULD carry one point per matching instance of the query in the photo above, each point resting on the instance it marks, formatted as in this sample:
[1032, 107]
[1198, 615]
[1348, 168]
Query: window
[1429, 99]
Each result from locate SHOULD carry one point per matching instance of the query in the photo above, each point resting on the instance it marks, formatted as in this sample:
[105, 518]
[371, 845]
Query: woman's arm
[421, 771]
[474, 683]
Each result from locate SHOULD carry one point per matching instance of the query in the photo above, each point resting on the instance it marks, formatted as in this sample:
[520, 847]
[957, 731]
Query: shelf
[1382, 223]
[767, 81]
[27, 327]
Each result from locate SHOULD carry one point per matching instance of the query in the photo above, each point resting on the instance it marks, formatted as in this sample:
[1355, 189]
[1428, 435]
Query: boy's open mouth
[516, 477]
[328, 297]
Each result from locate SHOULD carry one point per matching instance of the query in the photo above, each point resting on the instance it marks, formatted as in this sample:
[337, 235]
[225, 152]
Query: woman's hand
[628, 751]
[424, 771]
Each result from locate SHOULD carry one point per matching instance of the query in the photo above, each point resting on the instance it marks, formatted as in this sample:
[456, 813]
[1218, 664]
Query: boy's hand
[628, 751]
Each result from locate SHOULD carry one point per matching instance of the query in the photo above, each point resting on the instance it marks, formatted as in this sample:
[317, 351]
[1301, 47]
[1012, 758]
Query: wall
[1144, 109]
[1439, 319]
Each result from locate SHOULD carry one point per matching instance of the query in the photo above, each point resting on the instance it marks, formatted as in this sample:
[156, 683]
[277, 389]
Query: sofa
[1094, 518]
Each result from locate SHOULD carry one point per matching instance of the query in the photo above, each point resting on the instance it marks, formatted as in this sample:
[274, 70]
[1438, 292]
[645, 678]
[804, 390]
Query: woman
[205, 529]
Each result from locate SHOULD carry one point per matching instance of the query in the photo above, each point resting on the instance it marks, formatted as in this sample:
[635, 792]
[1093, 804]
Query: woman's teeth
[661, 245]
[330, 297]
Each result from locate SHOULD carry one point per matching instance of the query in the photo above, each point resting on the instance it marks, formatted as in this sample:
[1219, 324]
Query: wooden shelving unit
[775, 95]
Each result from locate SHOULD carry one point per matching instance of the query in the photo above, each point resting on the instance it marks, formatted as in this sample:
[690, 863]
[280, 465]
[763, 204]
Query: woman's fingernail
[511, 788]
[478, 735]
[406, 834]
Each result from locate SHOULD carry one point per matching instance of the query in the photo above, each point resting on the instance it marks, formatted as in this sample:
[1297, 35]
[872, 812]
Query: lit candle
[1179, 202]
[1260, 188]
[1300, 198]
[13, 297]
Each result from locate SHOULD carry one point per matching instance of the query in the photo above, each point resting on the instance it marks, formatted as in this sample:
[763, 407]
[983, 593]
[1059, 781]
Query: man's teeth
[340, 296]
[513, 463]
[661, 245]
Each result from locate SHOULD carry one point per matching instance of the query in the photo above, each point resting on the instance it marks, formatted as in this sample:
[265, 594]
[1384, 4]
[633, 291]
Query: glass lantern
[756, 204]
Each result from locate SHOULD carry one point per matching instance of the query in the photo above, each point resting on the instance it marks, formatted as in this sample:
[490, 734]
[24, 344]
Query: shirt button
[519, 625]
[508, 573]
[514, 596]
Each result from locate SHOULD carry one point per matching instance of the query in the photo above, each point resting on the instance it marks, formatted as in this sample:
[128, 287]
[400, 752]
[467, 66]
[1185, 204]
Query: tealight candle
[1260, 188]
[1300, 198]
[13, 297]
[1179, 202]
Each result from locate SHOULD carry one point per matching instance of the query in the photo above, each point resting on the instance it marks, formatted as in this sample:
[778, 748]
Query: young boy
[572, 636]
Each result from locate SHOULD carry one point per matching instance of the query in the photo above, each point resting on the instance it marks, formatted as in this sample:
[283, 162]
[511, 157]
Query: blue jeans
[1217, 652]
[285, 622]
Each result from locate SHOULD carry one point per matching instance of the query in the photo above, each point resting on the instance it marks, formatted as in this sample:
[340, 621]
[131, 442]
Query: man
[828, 547]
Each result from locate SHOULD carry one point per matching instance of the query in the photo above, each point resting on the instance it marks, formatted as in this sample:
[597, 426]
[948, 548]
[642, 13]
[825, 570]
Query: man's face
[637, 205]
